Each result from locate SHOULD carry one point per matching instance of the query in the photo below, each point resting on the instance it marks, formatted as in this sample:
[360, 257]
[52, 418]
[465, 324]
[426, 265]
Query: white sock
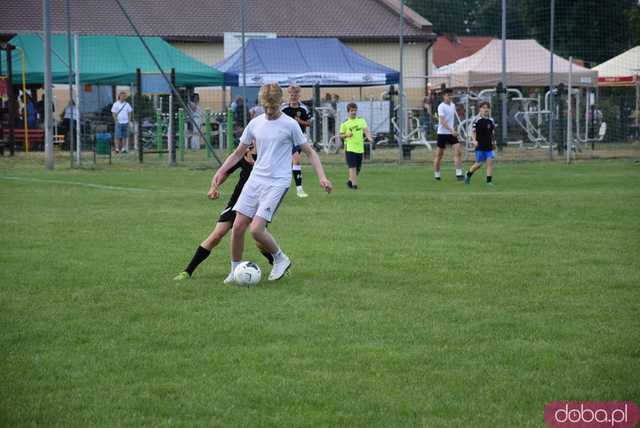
[299, 188]
[234, 265]
[458, 172]
[278, 255]
[437, 174]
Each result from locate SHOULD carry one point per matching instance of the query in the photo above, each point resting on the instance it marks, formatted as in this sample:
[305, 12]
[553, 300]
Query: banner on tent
[310, 79]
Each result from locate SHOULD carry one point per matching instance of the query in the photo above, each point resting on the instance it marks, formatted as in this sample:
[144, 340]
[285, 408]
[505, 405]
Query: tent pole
[503, 79]
[76, 41]
[551, 83]
[401, 116]
[70, 133]
[48, 129]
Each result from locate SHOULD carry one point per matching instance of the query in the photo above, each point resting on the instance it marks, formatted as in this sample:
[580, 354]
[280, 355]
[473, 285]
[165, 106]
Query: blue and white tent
[306, 62]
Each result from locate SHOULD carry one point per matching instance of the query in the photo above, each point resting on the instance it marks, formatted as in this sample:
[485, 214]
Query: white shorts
[260, 200]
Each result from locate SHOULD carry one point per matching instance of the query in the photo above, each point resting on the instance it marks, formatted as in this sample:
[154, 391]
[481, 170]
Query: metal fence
[534, 61]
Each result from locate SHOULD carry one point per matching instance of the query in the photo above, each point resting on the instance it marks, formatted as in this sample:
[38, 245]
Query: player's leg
[353, 178]
[457, 159]
[240, 226]
[480, 159]
[296, 170]
[269, 202]
[476, 166]
[437, 160]
[267, 255]
[204, 250]
[490, 171]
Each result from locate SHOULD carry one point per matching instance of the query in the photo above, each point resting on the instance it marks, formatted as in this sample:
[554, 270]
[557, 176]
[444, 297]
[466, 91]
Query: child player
[483, 140]
[227, 216]
[352, 131]
[300, 113]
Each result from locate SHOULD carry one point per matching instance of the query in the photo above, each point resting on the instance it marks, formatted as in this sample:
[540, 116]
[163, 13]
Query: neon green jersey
[355, 143]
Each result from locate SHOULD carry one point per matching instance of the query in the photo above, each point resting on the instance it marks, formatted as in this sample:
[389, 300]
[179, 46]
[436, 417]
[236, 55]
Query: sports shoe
[491, 184]
[349, 185]
[460, 177]
[230, 279]
[302, 194]
[467, 179]
[437, 178]
[280, 267]
[182, 276]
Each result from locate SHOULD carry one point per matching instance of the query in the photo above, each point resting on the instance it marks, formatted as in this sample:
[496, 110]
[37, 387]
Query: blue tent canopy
[306, 62]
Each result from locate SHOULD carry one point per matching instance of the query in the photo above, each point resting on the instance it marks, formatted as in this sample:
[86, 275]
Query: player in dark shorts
[298, 111]
[447, 135]
[483, 139]
[227, 216]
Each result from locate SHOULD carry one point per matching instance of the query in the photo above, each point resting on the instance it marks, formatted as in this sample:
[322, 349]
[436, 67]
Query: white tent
[622, 70]
[527, 65]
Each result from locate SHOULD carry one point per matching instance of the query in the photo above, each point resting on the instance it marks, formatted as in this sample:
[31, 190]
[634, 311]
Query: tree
[591, 30]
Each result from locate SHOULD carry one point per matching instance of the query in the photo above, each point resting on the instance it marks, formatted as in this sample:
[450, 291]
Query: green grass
[411, 302]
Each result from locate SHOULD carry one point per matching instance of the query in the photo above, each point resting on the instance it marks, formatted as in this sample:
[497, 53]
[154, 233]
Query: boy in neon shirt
[352, 132]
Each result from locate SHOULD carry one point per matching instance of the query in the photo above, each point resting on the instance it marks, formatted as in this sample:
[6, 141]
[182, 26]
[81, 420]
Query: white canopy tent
[622, 70]
[528, 64]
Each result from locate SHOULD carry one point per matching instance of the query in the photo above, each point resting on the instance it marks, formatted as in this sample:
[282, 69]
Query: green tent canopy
[110, 60]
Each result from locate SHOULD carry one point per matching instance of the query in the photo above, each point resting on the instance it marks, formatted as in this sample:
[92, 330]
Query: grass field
[411, 302]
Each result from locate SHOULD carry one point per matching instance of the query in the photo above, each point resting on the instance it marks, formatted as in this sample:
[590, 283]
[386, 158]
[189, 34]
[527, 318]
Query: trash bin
[103, 143]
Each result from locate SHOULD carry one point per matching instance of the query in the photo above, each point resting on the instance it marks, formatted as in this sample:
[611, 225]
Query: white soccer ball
[247, 273]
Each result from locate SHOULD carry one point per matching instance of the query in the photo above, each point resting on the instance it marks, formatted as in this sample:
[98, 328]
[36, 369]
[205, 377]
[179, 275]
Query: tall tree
[591, 30]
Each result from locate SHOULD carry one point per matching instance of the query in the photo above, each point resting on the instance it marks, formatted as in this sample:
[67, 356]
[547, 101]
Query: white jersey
[274, 143]
[448, 111]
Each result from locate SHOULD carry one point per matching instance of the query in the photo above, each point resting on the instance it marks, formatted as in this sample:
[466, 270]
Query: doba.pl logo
[591, 414]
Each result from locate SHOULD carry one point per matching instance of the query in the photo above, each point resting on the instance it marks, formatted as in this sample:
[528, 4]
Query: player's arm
[368, 134]
[222, 173]
[493, 139]
[474, 139]
[345, 133]
[445, 124]
[314, 160]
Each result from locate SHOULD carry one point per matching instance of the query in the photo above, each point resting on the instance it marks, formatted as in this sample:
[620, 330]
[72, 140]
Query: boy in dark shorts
[227, 216]
[300, 113]
[483, 140]
[352, 132]
[447, 135]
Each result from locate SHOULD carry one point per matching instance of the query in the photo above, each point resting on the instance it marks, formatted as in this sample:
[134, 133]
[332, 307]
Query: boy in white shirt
[447, 134]
[274, 134]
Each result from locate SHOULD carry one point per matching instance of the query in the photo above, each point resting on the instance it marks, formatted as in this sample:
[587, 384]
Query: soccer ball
[247, 273]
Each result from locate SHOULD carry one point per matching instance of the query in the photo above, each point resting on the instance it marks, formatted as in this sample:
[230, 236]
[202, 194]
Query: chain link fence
[185, 112]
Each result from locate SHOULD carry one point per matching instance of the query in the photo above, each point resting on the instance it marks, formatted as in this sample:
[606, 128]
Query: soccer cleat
[437, 178]
[460, 177]
[490, 184]
[230, 279]
[467, 179]
[182, 276]
[349, 185]
[280, 267]
[302, 194]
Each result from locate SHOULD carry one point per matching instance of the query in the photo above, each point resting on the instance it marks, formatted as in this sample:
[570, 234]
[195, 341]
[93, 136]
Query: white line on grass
[96, 186]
